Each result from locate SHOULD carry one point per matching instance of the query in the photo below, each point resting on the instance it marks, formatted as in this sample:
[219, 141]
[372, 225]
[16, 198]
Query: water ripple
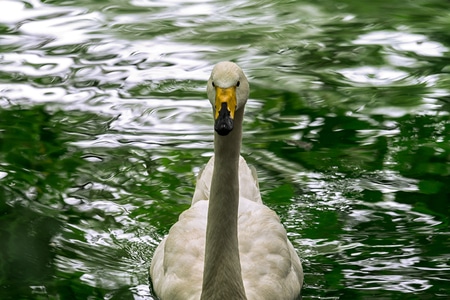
[104, 124]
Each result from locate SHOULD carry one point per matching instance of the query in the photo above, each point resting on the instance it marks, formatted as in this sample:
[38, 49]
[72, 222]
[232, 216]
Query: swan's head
[228, 92]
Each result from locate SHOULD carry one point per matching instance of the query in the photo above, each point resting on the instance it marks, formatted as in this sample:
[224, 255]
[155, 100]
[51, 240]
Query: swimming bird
[228, 244]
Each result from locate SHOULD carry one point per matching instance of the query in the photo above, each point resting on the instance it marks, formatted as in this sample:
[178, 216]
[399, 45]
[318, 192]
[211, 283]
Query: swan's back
[270, 267]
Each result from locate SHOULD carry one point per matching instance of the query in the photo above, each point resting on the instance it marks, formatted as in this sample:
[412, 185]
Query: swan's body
[228, 244]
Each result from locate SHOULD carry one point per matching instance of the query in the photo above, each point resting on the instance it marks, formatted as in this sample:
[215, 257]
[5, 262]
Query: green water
[104, 125]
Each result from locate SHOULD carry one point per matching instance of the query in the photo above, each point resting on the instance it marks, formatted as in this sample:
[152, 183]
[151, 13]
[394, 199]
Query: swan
[228, 244]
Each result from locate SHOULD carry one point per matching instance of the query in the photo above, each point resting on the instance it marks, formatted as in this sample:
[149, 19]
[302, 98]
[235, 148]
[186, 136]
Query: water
[104, 125]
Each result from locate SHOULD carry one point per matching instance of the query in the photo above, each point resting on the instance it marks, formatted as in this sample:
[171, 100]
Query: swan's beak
[225, 107]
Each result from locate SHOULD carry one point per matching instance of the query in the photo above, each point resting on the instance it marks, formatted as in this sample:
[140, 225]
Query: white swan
[228, 244]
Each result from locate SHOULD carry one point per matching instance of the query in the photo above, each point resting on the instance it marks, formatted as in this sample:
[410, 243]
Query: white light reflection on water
[374, 76]
[403, 42]
[35, 65]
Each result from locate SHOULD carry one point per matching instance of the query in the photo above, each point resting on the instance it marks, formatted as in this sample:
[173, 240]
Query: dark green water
[104, 126]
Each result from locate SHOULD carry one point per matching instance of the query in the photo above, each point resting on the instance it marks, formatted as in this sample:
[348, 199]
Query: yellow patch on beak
[227, 96]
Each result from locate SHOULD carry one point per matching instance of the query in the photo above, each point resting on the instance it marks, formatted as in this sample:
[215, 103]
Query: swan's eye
[212, 82]
[238, 83]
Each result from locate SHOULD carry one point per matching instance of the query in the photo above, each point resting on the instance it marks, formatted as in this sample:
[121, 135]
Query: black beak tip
[223, 129]
[223, 132]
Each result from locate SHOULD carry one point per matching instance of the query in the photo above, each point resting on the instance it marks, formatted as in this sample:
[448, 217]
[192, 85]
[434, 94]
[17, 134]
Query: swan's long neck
[222, 278]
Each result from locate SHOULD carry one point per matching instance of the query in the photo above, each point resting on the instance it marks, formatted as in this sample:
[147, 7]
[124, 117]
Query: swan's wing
[177, 265]
[271, 268]
[254, 175]
[248, 182]
[203, 185]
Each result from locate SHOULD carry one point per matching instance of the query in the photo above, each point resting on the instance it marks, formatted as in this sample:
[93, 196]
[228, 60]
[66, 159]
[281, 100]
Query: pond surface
[104, 124]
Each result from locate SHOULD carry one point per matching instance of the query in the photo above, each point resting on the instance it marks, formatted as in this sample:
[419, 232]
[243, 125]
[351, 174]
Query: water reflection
[104, 124]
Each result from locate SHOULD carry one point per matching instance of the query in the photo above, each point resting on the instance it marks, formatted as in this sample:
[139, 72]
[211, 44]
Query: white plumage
[228, 244]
